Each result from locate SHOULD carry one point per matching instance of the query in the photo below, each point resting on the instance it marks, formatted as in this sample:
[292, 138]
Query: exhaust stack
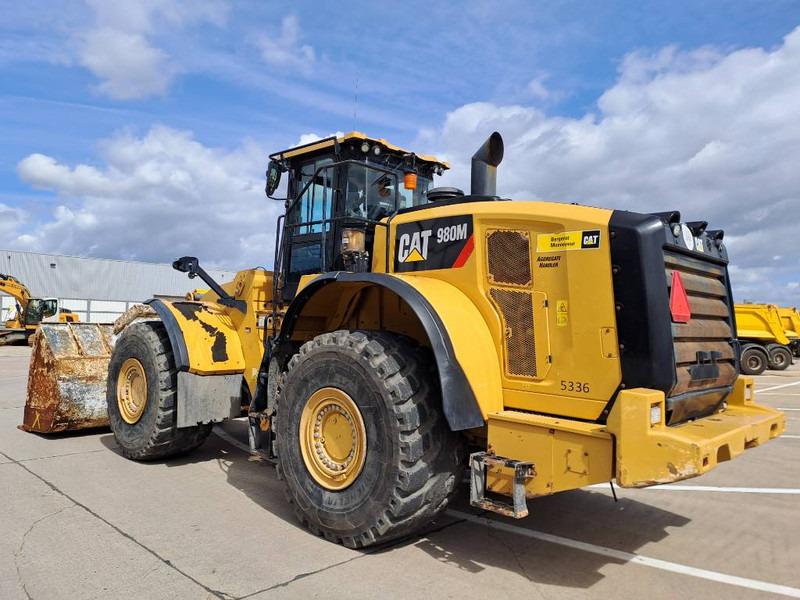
[484, 166]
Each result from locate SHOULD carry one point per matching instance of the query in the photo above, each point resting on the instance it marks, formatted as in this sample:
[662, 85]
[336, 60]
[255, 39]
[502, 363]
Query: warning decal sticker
[562, 313]
[444, 243]
[568, 240]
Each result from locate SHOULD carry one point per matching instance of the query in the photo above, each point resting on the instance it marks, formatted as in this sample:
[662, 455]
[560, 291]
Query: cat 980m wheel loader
[404, 324]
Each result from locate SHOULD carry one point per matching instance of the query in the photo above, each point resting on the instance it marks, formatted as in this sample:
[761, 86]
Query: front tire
[141, 395]
[390, 463]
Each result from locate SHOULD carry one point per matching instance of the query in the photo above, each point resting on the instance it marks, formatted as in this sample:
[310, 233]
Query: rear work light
[678, 300]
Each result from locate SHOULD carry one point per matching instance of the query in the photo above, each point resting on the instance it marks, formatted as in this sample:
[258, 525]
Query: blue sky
[138, 129]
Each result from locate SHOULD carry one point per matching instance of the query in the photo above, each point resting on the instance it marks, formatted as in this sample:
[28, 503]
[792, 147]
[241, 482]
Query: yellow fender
[203, 337]
[469, 369]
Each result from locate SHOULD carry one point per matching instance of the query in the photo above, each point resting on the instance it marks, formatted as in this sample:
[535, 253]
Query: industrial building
[98, 290]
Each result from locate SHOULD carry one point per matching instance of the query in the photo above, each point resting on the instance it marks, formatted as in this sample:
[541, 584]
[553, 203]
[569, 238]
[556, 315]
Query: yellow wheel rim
[333, 439]
[131, 391]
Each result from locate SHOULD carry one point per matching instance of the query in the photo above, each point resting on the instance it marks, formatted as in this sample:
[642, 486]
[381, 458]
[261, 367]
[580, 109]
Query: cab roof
[352, 136]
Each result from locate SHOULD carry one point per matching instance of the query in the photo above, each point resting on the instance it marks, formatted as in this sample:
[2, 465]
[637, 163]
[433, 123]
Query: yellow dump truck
[790, 319]
[763, 339]
[409, 332]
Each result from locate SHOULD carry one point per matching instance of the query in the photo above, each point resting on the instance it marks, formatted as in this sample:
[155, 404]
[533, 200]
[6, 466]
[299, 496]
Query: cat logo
[443, 243]
[591, 239]
[413, 246]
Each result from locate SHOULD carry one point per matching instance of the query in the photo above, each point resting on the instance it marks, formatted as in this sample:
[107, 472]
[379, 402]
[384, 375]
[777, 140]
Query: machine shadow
[584, 515]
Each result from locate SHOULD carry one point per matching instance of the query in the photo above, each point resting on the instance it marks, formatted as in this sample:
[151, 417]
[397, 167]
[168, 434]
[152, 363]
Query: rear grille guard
[655, 352]
[704, 349]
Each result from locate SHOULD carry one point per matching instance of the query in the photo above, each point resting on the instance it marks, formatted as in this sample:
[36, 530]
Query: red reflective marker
[679, 300]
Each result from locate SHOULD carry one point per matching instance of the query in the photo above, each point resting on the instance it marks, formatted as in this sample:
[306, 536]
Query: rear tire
[153, 434]
[779, 357]
[412, 462]
[754, 360]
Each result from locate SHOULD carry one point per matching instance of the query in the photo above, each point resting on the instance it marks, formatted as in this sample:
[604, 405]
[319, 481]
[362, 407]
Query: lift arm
[11, 286]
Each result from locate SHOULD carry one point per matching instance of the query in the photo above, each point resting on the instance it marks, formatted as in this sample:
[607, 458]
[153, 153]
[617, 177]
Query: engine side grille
[509, 257]
[516, 308]
[707, 339]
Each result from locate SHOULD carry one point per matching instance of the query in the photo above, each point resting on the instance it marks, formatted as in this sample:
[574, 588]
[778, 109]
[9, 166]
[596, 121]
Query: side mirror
[274, 171]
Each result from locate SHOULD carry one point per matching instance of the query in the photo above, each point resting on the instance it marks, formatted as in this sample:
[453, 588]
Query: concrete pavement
[80, 521]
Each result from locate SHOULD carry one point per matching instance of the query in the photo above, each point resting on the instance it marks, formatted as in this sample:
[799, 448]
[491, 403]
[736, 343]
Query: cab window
[309, 206]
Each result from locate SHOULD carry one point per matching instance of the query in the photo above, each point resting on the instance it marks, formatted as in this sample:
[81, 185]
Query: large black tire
[780, 357]
[754, 360]
[413, 461]
[154, 435]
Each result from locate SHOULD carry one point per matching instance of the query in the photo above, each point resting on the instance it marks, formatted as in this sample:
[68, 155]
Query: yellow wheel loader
[30, 312]
[410, 332]
[764, 342]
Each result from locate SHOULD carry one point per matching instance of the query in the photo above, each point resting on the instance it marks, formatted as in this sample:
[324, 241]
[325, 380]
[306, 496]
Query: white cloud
[713, 135]
[537, 89]
[285, 50]
[121, 49]
[11, 219]
[127, 64]
[155, 198]
[308, 138]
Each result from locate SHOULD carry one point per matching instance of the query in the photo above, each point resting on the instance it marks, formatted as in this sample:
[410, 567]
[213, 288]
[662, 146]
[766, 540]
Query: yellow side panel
[212, 341]
[472, 342]
[760, 322]
[566, 454]
[254, 286]
[568, 293]
[790, 319]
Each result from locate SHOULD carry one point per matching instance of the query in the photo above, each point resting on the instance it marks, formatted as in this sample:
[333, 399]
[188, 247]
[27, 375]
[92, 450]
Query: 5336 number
[582, 387]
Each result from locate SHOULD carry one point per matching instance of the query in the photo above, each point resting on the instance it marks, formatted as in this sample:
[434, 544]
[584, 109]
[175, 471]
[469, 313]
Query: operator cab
[41, 310]
[338, 191]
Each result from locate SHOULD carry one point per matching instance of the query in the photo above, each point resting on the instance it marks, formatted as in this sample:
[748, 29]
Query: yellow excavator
[410, 332]
[29, 312]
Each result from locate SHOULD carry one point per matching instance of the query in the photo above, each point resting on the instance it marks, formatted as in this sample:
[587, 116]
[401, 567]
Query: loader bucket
[67, 377]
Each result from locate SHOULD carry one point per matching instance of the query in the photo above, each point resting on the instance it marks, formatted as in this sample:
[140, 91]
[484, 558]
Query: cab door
[307, 226]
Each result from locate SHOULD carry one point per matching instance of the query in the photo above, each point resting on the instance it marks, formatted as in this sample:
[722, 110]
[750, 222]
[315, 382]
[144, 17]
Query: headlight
[353, 240]
[655, 414]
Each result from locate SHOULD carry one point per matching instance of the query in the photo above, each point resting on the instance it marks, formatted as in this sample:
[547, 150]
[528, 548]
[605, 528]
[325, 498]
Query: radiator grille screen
[509, 257]
[517, 310]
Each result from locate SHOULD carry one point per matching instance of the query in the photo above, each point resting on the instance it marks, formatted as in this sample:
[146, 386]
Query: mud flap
[208, 398]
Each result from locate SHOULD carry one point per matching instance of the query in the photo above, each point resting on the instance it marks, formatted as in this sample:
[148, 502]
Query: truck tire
[390, 463]
[141, 395]
[754, 360]
[779, 357]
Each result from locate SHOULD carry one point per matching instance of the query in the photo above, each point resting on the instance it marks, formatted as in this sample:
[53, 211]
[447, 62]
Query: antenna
[355, 104]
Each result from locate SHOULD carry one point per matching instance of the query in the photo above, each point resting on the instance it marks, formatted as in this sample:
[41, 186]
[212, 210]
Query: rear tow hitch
[478, 463]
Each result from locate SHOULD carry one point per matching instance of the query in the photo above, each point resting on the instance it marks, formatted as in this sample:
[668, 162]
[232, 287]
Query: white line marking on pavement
[708, 488]
[777, 387]
[782, 408]
[645, 561]
[789, 436]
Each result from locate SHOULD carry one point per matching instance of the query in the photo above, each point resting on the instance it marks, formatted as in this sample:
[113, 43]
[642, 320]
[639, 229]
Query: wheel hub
[131, 391]
[333, 438]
